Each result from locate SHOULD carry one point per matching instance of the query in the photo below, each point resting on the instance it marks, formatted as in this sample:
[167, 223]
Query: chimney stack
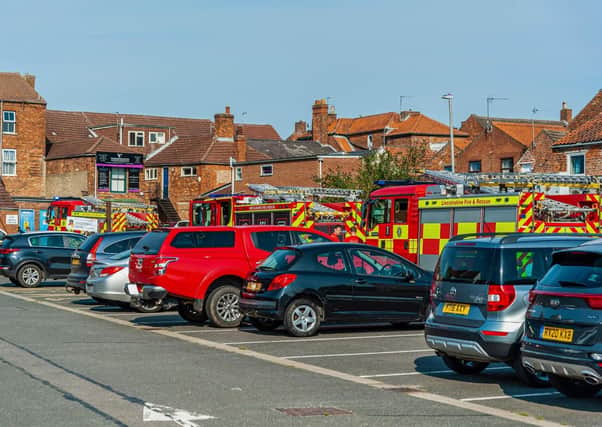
[30, 79]
[224, 126]
[300, 128]
[241, 145]
[319, 121]
[332, 115]
[566, 114]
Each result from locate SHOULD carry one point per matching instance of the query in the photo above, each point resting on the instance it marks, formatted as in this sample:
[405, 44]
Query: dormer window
[136, 139]
[156, 137]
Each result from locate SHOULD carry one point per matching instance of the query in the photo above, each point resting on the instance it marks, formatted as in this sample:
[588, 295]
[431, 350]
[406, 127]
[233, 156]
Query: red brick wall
[70, 177]
[113, 133]
[29, 141]
[546, 160]
[593, 159]
[489, 148]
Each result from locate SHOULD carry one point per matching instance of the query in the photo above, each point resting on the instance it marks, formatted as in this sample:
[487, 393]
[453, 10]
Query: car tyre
[149, 307]
[574, 388]
[465, 367]
[222, 306]
[188, 313]
[30, 276]
[265, 324]
[528, 378]
[302, 318]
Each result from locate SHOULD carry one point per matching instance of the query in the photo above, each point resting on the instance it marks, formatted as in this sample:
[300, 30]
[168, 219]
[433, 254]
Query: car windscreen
[89, 242]
[575, 270]
[280, 260]
[151, 243]
[468, 264]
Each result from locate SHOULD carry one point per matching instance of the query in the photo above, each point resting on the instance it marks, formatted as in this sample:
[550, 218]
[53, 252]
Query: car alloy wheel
[30, 276]
[222, 306]
[304, 318]
[227, 307]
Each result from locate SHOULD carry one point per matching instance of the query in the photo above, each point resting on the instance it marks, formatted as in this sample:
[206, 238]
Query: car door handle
[360, 281]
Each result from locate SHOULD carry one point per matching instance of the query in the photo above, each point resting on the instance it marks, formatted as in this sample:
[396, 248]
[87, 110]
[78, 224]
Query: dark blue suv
[28, 259]
[563, 333]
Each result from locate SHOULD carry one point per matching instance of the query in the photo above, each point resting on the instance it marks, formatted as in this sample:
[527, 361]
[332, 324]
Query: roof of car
[42, 233]
[239, 227]
[517, 239]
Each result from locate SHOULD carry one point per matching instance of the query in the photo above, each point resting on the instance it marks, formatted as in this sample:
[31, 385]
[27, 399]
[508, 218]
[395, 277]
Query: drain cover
[308, 412]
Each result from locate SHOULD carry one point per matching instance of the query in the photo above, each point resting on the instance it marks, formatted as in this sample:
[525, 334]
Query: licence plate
[253, 286]
[454, 308]
[133, 290]
[74, 261]
[557, 334]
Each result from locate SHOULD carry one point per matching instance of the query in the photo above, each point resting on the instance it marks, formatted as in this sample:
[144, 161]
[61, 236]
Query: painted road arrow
[154, 412]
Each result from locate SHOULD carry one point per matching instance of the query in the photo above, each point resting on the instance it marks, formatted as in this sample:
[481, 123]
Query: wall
[70, 177]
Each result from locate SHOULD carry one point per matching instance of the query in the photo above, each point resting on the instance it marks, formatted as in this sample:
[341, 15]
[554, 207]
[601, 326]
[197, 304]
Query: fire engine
[416, 219]
[271, 205]
[89, 215]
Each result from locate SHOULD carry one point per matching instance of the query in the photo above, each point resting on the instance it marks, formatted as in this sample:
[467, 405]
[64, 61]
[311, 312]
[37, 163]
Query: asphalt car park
[397, 356]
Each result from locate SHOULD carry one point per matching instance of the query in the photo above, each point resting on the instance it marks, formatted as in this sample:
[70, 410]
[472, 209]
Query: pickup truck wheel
[302, 318]
[265, 324]
[222, 306]
[149, 307]
[30, 276]
[188, 313]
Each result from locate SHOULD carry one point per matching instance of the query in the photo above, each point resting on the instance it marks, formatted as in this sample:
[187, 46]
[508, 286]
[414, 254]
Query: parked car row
[485, 288]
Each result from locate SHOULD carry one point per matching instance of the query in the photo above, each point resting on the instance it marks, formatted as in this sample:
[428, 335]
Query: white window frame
[151, 174]
[188, 171]
[6, 162]
[7, 122]
[569, 156]
[475, 161]
[369, 142]
[137, 133]
[113, 183]
[264, 173]
[511, 164]
[159, 137]
[238, 174]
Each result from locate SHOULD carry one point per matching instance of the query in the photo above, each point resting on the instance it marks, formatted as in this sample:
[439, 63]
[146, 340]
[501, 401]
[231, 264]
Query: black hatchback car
[304, 285]
[28, 259]
[563, 333]
[98, 247]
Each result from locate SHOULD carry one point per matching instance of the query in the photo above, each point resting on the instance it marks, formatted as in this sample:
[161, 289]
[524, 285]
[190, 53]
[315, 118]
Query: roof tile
[14, 87]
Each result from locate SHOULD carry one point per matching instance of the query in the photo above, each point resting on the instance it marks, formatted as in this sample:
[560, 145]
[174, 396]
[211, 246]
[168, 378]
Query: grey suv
[479, 297]
[563, 333]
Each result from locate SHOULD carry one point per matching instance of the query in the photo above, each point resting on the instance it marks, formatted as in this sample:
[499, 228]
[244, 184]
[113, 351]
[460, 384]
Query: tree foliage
[379, 164]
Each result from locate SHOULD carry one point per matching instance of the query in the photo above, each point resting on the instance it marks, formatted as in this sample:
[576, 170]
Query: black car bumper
[267, 309]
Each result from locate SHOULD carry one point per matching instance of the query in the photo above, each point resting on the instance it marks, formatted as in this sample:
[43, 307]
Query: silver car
[107, 280]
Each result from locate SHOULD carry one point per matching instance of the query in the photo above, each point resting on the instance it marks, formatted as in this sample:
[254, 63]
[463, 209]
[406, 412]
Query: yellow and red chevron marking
[118, 221]
[354, 218]
[152, 221]
[299, 214]
[525, 212]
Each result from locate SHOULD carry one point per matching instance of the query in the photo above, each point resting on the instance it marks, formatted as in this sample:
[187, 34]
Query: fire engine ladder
[101, 204]
[554, 210]
[294, 193]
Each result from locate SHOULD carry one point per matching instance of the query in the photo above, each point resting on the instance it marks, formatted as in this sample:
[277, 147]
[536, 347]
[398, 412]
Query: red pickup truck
[202, 269]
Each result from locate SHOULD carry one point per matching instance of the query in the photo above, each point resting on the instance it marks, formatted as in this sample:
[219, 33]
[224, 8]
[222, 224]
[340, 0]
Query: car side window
[302, 237]
[270, 240]
[373, 263]
[46, 241]
[332, 260]
[72, 242]
[203, 239]
[122, 245]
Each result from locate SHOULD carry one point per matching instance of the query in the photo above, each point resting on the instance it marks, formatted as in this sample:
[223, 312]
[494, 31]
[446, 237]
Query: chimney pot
[566, 114]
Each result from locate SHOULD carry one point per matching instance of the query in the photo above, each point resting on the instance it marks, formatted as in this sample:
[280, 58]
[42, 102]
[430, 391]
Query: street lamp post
[450, 98]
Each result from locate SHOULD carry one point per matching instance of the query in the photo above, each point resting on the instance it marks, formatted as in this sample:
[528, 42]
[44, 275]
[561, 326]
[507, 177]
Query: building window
[576, 164]
[266, 170]
[526, 167]
[9, 120]
[474, 166]
[136, 139]
[369, 142]
[238, 174]
[150, 174]
[117, 180]
[9, 162]
[189, 171]
[156, 137]
[507, 165]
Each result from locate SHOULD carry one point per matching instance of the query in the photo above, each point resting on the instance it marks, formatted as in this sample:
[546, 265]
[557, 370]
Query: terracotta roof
[278, 150]
[588, 132]
[85, 147]
[185, 150]
[6, 201]
[253, 131]
[523, 130]
[591, 110]
[363, 124]
[343, 143]
[417, 123]
[14, 87]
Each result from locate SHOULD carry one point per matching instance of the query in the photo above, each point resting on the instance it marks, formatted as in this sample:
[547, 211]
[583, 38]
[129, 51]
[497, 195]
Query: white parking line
[161, 322]
[447, 371]
[310, 356]
[195, 331]
[508, 396]
[294, 340]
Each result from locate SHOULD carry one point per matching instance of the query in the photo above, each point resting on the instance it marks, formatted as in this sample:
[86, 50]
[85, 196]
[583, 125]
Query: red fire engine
[272, 205]
[416, 219]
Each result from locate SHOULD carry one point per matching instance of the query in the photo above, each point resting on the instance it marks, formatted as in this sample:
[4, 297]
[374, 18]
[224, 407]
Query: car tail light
[92, 255]
[281, 281]
[499, 297]
[107, 271]
[161, 263]
[494, 333]
[594, 302]
[6, 251]
[532, 296]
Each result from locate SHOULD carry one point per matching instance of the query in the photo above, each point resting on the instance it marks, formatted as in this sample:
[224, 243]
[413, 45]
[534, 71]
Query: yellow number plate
[74, 261]
[253, 286]
[557, 334]
[454, 308]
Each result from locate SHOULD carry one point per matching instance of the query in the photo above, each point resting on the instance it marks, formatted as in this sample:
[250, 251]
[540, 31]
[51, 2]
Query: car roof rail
[515, 237]
[478, 235]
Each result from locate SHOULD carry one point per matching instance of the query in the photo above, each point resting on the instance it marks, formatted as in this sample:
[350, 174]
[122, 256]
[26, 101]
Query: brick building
[497, 144]
[395, 131]
[22, 145]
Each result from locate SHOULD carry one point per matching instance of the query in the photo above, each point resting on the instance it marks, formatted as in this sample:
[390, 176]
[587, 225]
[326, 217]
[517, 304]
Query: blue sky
[271, 59]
